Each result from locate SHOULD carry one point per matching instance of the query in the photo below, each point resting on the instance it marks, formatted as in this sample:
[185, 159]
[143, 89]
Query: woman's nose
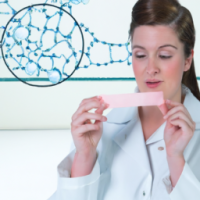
[152, 67]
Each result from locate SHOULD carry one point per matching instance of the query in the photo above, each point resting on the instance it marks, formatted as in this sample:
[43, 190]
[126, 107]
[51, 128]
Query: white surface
[29, 162]
[25, 107]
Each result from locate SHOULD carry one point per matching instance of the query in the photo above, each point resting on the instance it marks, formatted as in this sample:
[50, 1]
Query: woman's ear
[188, 61]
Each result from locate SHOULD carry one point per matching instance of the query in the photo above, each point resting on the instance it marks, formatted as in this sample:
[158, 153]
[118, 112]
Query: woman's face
[158, 54]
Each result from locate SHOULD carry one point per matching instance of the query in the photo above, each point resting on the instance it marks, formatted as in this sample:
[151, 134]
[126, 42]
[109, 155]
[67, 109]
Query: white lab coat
[123, 169]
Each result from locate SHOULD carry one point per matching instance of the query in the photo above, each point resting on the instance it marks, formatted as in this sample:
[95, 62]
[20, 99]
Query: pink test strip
[135, 99]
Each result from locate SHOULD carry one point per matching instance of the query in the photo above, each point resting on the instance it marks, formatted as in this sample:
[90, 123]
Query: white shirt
[128, 168]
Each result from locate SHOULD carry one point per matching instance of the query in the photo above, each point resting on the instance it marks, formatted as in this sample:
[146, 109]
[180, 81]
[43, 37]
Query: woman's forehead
[155, 36]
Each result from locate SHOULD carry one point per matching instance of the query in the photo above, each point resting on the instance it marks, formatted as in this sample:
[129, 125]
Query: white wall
[25, 107]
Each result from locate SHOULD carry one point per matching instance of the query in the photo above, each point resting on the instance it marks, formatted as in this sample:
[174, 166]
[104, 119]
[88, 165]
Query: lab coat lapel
[130, 139]
[193, 106]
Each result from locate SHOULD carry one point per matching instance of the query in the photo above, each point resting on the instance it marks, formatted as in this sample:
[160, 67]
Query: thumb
[163, 108]
[169, 126]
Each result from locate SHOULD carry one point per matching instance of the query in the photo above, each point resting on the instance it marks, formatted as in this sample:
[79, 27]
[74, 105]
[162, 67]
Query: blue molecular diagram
[44, 40]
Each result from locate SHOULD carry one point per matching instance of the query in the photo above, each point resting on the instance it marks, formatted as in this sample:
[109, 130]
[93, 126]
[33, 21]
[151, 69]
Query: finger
[100, 111]
[183, 125]
[181, 115]
[173, 104]
[168, 103]
[170, 131]
[87, 116]
[87, 122]
[85, 108]
[177, 109]
[79, 131]
[97, 98]
[102, 108]
[163, 108]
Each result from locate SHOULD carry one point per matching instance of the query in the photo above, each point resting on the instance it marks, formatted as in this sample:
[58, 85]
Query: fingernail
[99, 97]
[104, 119]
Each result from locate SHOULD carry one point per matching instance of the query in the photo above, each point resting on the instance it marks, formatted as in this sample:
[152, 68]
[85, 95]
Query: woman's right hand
[85, 134]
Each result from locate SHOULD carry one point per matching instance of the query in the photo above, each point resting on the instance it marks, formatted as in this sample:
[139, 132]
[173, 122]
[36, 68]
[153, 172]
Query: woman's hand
[86, 134]
[179, 129]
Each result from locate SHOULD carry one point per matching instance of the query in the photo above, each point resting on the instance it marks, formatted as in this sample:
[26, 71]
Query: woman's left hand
[179, 129]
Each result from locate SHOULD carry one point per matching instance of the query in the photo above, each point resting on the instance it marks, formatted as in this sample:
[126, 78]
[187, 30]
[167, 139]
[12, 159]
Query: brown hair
[171, 13]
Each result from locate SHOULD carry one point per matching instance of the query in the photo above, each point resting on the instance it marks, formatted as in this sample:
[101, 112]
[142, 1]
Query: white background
[29, 157]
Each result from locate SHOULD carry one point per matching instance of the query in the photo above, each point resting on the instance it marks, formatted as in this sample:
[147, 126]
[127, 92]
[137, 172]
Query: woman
[137, 153]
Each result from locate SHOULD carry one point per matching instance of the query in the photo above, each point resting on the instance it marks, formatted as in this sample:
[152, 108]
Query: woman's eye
[165, 57]
[140, 56]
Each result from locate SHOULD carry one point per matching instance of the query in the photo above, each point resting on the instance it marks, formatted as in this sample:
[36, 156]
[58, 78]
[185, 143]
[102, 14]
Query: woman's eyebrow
[166, 45]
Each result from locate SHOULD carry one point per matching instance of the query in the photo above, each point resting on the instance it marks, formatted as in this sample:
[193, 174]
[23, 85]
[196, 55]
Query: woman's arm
[78, 188]
[176, 165]
[83, 164]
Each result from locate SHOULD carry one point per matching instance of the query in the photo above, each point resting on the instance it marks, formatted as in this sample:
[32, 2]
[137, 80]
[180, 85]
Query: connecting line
[12, 9]
[110, 47]
[63, 3]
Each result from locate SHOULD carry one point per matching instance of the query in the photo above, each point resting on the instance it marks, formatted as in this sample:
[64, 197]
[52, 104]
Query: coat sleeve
[187, 187]
[188, 184]
[78, 188]
[168, 184]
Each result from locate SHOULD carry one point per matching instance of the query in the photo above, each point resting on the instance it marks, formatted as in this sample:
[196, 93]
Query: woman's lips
[153, 85]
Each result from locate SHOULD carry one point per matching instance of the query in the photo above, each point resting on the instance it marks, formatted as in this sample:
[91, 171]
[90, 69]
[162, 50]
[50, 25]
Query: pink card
[134, 99]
